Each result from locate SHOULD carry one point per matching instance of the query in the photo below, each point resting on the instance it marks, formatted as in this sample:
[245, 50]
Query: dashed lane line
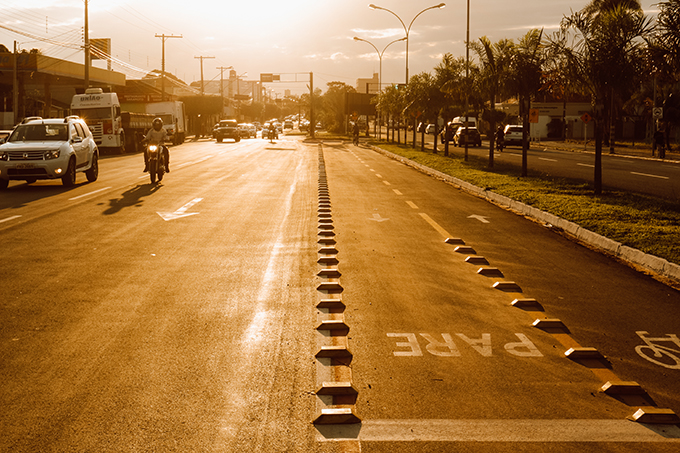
[412, 204]
[585, 165]
[387, 183]
[8, 219]
[89, 193]
[546, 159]
[648, 175]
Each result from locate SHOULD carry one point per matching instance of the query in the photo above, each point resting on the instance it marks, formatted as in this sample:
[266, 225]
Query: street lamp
[407, 29]
[380, 55]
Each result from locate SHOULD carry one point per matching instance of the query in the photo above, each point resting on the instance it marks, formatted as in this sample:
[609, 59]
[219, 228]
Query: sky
[287, 37]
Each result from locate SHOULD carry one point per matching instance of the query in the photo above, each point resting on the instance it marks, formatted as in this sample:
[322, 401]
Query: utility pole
[312, 124]
[202, 82]
[163, 38]
[15, 94]
[86, 34]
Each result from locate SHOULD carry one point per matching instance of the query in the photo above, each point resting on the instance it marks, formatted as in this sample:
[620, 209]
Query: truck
[173, 116]
[111, 127]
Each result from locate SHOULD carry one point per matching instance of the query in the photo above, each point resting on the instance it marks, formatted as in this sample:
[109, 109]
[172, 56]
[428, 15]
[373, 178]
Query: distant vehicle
[287, 124]
[49, 149]
[227, 129]
[513, 135]
[421, 127]
[429, 129]
[472, 137]
[247, 130]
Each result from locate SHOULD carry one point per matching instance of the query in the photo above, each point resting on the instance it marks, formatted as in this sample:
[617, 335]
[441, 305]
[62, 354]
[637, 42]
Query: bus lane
[443, 341]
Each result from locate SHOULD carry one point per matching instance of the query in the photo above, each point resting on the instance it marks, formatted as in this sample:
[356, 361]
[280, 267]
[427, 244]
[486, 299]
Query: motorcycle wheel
[160, 175]
[152, 175]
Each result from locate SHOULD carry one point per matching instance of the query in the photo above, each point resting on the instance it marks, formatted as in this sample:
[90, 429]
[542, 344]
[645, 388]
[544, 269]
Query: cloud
[380, 34]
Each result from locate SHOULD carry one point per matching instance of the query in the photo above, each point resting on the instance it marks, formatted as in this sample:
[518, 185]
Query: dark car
[472, 138]
[227, 129]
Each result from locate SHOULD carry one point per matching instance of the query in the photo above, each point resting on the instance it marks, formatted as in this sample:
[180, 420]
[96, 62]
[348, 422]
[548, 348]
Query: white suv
[49, 149]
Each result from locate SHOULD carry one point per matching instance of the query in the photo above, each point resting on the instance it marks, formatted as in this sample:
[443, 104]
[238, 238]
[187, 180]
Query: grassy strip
[644, 222]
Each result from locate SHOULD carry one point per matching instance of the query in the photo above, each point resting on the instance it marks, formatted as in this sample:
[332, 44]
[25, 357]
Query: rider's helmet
[157, 124]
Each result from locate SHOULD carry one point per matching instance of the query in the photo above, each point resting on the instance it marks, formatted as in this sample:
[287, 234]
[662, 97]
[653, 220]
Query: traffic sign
[586, 118]
[533, 115]
[657, 113]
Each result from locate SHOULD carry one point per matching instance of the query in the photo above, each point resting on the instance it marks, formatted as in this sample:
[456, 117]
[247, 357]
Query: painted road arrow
[181, 212]
[479, 217]
[377, 218]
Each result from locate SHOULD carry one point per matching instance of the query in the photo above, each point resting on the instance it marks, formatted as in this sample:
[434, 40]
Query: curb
[631, 256]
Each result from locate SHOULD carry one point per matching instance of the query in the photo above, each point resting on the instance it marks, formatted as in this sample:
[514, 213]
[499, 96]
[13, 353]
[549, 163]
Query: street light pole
[380, 55]
[407, 30]
[467, 74]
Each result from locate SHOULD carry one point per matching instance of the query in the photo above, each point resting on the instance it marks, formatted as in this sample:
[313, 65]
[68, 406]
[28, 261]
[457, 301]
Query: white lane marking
[546, 159]
[387, 183]
[378, 218]
[10, 218]
[500, 431]
[372, 170]
[586, 165]
[397, 192]
[89, 193]
[648, 175]
[481, 218]
[184, 164]
[412, 204]
[379, 176]
[181, 212]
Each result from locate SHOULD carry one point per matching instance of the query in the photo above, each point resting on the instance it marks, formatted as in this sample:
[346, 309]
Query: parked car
[429, 129]
[287, 124]
[472, 137]
[49, 148]
[512, 135]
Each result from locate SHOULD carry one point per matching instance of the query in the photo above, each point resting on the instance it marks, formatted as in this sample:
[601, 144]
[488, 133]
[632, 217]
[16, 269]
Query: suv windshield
[39, 133]
[228, 124]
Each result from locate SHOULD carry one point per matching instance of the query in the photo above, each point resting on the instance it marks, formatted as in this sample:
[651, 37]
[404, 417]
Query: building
[371, 86]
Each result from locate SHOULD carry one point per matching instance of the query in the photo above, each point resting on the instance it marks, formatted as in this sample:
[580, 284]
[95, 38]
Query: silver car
[49, 149]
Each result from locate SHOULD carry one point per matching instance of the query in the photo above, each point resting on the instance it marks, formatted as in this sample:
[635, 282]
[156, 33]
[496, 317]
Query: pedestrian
[658, 143]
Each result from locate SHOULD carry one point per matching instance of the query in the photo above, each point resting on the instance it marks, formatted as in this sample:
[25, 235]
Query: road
[619, 172]
[192, 315]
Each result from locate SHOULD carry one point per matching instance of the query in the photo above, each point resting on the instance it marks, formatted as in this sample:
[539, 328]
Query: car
[227, 129]
[449, 130]
[247, 130]
[288, 124]
[50, 148]
[429, 129]
[3, 135]
[472, 137]
[512, 135]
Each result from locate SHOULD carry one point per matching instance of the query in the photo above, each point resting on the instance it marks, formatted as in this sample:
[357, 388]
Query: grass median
[647, 223]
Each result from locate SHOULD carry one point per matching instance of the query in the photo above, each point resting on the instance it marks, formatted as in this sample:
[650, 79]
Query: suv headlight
[52, 154]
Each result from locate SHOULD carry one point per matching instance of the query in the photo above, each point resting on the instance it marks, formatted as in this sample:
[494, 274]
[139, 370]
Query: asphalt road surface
[193, 315]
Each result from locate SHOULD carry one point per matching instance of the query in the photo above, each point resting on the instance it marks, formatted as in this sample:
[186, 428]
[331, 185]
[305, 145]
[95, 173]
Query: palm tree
[602, 54]
[525, 80]
[450, 78]
[495, 63]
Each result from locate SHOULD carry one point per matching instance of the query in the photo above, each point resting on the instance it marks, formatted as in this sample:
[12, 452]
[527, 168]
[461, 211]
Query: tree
[664, 62]
[450, 78]
[334, 106]
[495, 62]
[602, 53]
[525, 80]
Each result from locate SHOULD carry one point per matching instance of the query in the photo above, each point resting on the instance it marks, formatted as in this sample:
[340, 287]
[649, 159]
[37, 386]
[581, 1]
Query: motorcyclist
[157, 136]
[355, 133]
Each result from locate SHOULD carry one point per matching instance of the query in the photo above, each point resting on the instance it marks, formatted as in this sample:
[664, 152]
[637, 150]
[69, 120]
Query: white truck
[173, 116]
[110, 127]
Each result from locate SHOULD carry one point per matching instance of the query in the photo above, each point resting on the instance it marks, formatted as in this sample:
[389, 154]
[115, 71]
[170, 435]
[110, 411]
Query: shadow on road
[132, 197]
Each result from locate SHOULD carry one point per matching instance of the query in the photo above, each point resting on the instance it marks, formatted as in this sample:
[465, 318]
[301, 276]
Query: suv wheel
[93, 172]
[69, 179]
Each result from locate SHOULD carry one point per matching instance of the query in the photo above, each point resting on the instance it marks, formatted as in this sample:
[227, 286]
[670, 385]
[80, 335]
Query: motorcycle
[156, 162]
